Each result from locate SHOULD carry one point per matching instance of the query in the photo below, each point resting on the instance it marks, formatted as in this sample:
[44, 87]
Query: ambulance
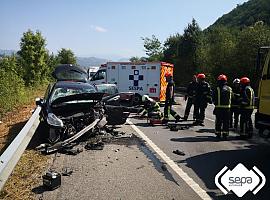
[140, 77]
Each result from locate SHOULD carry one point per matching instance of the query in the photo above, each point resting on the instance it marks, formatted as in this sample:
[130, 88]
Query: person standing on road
[151, 108]
[246, 107]
[169, 99]
[222, 96]
[203, 96]
[235, 107]
[189, 97]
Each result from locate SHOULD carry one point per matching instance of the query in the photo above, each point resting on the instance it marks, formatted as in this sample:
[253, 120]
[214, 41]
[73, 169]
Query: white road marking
[196, 188]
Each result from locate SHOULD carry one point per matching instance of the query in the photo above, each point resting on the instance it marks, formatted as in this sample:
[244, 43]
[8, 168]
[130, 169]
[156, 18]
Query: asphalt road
[145, 167]
[205, 155]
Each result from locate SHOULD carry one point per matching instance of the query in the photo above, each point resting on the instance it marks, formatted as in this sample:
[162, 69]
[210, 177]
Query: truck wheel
[264, 133]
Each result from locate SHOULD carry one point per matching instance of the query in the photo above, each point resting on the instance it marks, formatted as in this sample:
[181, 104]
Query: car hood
[68, 72]
[96, 97]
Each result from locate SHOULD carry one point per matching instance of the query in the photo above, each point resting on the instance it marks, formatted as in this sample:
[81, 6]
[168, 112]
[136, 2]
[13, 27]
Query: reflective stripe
[223, 106]
[251, 100]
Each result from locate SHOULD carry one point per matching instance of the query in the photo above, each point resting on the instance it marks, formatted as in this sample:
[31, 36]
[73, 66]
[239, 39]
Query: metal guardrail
[13, 153]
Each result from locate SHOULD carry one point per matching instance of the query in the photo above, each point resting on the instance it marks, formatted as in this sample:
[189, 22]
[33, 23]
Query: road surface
[145, 167]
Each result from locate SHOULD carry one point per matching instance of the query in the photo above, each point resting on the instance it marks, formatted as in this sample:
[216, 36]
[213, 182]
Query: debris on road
[52, 180]
[164, 167]
[178, 152]
[67, 171]
[71, 151]
[94, 146]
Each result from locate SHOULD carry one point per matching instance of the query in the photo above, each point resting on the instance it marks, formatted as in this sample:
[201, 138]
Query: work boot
[165, 120]
[218, 134]
[185, 118]
[225, 134]
[177, 118]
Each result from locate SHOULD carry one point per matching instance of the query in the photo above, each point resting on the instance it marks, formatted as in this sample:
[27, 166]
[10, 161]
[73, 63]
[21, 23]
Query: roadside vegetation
[229, 46]
[28, 70]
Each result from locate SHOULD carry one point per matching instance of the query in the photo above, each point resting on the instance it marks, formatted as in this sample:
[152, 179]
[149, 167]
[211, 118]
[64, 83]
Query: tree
[134, 59]
[33, 57]
[66, 56]
[153, 48]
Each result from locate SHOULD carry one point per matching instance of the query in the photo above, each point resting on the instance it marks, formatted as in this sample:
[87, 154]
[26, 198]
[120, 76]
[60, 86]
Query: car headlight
[54, 121]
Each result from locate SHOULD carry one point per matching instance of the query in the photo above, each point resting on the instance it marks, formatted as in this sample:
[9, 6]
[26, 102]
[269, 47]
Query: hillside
[90, 61]
[246, 14]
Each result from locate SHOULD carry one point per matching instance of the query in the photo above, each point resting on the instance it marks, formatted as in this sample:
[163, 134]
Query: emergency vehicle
[262, 116]
[140, 77]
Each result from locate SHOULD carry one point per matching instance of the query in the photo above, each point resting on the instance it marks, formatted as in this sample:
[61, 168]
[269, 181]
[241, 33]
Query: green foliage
[181, 50]
[32, 66]
[12, 90]
[153, 48]
[33, 57]
[246, 14]
[66, 56]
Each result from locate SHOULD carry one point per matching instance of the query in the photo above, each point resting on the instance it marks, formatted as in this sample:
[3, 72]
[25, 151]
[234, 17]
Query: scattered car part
[94, 146]
[66, 142]
[67, 171]
[178, 152]
[52, 180]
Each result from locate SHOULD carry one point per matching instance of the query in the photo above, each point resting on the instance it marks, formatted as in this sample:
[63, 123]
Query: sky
[110, 29]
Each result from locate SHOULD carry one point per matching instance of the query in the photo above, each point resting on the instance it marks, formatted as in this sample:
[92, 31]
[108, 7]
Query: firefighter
[235, 107]
[222, 96]
[203, 96]
[189, 97]
[169, 99]
[151, 108]
[246, 107]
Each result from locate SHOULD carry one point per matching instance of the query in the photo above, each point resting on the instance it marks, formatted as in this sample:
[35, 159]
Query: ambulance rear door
[153, 80]
[133, 78]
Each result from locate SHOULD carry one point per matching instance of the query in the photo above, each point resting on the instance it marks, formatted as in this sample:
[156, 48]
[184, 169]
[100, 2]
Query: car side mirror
[39, 102]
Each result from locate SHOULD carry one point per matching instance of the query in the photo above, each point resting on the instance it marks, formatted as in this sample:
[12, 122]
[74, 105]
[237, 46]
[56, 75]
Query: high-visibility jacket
[247, 97]
[151, 106]
[222, 97]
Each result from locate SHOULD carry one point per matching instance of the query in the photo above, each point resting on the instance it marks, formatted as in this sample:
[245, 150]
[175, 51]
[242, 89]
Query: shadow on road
[203, 139]
[207, 165]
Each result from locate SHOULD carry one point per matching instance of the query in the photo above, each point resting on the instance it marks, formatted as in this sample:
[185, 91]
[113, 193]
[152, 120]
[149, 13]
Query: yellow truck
[262, 116]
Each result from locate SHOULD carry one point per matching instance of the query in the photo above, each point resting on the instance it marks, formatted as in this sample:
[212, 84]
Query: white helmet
[236, 81]
[144, 98]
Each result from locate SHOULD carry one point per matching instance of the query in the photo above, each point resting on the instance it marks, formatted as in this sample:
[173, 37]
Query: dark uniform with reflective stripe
[168, 102]
[222, 99]
[203, 96]
[246, 109]
[152, 109]
[191, 91]
[235, 107]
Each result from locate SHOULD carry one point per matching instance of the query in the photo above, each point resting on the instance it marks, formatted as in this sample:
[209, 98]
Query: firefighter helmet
[222, 77]
[244, 80]
[236, 81]
[145, 97]
[168, 74]
[201, 76]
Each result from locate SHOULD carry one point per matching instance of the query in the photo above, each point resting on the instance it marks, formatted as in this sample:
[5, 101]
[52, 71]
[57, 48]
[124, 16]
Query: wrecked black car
[72, 106]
